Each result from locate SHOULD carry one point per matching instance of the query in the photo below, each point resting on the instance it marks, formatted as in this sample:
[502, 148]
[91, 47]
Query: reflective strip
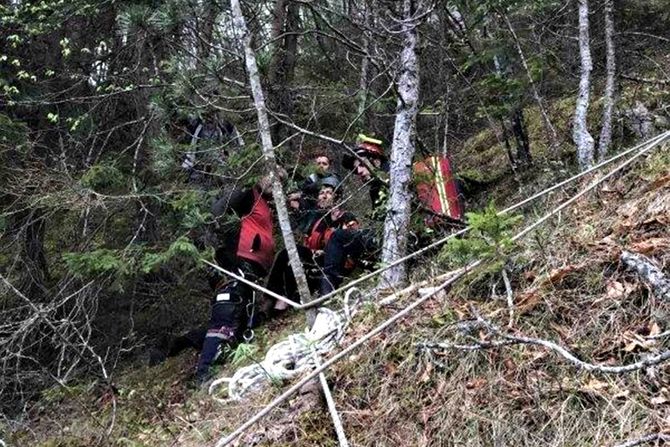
[219, 335]
[196, 134]
[440, 186]
[223, 333]
[189, 160]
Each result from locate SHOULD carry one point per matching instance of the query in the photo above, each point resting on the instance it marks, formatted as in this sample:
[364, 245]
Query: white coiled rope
[293, 355]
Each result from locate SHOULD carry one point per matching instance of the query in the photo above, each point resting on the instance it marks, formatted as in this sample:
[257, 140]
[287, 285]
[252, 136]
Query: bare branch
[654, 437]
[503, 339]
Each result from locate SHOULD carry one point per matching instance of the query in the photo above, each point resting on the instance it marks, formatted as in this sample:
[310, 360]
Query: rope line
[293, 355]
[458, 274]
[650, 142]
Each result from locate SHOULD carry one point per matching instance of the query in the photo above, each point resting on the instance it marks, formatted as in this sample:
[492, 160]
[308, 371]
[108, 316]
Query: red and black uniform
[439, 201]
[247, 249]
[318, 227]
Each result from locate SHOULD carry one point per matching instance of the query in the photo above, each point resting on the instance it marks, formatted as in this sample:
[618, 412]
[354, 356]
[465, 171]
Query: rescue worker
[371, 150]
[317, 225]
[210, 141]
[306, 198]
[248, 250]
[347, 245]
[438, 199]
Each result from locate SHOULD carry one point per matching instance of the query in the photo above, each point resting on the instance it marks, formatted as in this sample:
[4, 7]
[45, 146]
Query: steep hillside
[568, 286]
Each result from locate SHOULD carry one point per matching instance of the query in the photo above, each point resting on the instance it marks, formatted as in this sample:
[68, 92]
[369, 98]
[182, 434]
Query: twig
[645, 80]
[510, 297]
[638, 33]
[337, 422]
[645, 439]
[508, 339]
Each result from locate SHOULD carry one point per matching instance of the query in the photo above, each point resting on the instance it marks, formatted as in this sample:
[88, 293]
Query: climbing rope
[457, 275]
[293, 355]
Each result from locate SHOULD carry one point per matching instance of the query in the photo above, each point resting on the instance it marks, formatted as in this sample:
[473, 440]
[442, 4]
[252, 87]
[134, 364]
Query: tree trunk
[268, 152]
[608, 98]
[402, 150]
[282, 64]
[580, 132]
[518, 127]
[521, 137]
[531, 83]
[34, 256]
[365, 63]
[508, 147]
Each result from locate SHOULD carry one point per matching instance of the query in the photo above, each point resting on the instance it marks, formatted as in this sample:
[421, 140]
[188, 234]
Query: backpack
[437, 188]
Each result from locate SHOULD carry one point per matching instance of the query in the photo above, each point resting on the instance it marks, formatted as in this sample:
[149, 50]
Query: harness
[319, 235]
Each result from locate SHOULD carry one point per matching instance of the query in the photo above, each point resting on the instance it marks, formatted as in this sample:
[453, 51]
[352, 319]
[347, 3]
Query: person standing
[247, 248]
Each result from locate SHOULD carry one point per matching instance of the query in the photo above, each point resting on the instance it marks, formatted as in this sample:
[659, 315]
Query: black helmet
[332, 181]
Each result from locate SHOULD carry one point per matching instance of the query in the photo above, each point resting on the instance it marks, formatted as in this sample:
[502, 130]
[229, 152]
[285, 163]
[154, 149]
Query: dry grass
[568, 287]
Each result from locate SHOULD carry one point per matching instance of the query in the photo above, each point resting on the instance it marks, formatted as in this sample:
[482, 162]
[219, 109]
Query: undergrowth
[568, 286]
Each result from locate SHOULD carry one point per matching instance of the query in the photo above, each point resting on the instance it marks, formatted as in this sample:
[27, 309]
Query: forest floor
[568, 286]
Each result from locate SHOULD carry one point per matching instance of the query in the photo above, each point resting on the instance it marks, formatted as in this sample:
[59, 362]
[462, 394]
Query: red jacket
[256, 241]
[251, 238]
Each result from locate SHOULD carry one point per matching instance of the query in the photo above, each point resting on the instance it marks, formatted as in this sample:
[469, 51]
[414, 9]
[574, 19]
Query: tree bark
[268, 152]
[649, 272]
[608, 98]
[34, 255]
[545, 117]
[518, 127]
[521, 137]
[282, 64]
[402, 150]
[365, 64]
[580, 132]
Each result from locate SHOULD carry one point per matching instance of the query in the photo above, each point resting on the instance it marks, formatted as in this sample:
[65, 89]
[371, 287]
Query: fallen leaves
[557, 275]
[651, 246]
[616, 289]
[641, 338]
[476, 383]
[660, 182]
[661, 398]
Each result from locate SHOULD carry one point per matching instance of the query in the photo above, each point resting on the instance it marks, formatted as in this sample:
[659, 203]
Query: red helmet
[365, 147]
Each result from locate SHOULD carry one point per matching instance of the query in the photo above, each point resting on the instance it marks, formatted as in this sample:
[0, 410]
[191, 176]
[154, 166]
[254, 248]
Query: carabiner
[248, 335]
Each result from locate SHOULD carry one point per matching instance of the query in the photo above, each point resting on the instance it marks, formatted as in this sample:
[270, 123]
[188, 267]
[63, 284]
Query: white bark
[268, 151]
[608, 98]
[396, 224]
[580, 132]
[650, 272]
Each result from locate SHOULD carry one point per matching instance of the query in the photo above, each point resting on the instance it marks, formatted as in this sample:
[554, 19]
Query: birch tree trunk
[268, 152]
[580, 132]
[608, 98]
[396, 224]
